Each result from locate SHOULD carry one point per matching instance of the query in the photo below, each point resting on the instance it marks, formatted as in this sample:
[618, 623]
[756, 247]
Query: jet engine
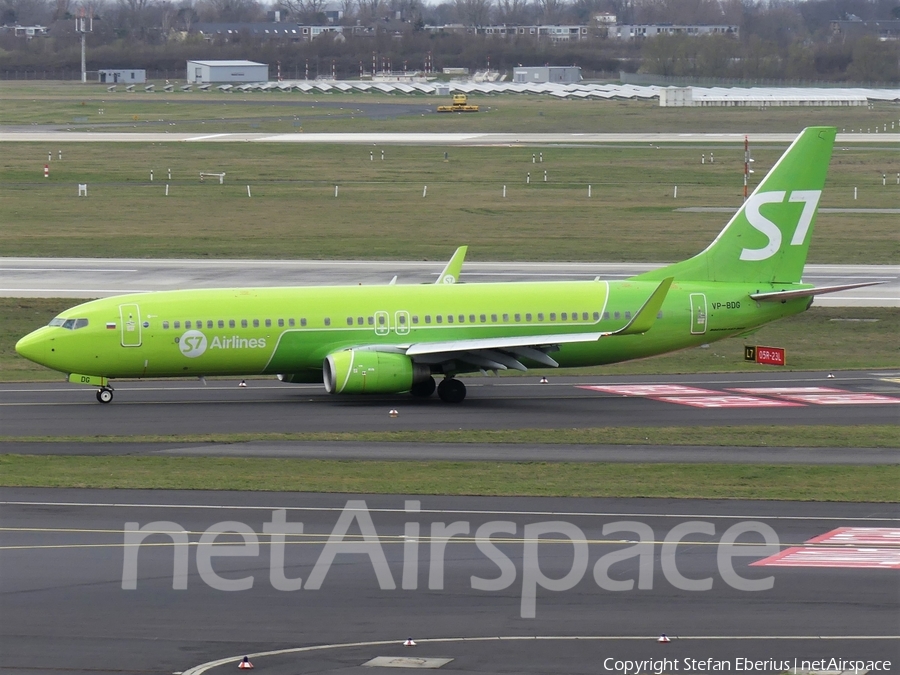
[356, 371]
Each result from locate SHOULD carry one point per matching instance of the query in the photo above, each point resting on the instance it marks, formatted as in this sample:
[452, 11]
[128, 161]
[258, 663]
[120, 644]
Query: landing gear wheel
[423, 389]
[105, 395]
[451, 390]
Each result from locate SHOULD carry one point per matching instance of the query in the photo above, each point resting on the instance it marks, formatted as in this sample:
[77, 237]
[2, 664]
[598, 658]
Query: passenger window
[563, 317]
[256, 323]
[371, 320]
[209, 323]
[483, 318]
[493, 318]
[472, 318]
[584, 316]
[439, 319]
[268, 323]
[449, 318]
[165, 325]
[415, 319]
[221, 323]
[281, 323]
[505, 318]
[177, 324]
[243, 323]
[659, 315]
[349, 320]
[230, 323]
[553, 316]
[617, 315]
[540, 316]
[327, 321]
[606, 315]
[302, 322]
[187, 324]
[428, 318]
[627, 315]
[518, 317]
[402, 319]
[528, 317]
[360, 321]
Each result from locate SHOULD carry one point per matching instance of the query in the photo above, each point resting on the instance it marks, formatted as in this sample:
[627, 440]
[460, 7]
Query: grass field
[544, 479]
[380, 211]
[819, 339]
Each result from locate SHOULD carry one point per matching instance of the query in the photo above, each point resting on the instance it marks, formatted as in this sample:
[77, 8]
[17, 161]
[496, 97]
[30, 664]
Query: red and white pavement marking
[860, 536]
[775, 391]
[849, 398]
[847, 548]
[649, 389]
[726, 401]
[803, 556]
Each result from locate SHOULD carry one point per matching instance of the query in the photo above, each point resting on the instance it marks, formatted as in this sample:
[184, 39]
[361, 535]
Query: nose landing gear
[105, 394]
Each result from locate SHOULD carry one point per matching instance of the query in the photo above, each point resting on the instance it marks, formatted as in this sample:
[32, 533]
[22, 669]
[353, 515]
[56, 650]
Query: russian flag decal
[111, 325]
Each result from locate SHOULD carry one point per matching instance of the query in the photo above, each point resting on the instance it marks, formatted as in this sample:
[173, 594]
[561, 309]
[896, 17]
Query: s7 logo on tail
[810, 199]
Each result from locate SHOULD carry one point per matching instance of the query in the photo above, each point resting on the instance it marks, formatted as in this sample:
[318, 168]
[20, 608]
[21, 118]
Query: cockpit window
[71, 324]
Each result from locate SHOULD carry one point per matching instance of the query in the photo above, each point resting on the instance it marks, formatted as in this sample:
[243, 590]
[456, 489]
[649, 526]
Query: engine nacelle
[357, 371]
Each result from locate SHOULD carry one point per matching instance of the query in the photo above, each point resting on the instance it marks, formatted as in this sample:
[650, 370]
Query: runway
[103, 277]
[186, 407]
[437, 139]
[462, 576]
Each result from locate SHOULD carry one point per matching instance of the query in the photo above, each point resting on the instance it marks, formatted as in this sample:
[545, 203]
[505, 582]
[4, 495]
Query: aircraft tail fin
[451, 271]
[768, 238]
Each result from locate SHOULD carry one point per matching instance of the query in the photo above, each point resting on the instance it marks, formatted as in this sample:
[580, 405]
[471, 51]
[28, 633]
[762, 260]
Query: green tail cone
[768, 238]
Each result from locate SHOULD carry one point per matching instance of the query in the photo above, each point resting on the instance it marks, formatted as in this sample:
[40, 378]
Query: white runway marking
[570, 514]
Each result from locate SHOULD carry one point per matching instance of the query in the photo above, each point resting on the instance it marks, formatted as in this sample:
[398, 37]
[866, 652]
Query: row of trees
[778, 39]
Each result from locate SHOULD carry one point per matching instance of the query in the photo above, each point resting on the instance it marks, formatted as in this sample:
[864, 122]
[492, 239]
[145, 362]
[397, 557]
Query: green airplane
[398, 338]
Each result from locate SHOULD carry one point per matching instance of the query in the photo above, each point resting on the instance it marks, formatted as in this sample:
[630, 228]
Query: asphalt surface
[63, 557]
[263, 406]
[103, 277]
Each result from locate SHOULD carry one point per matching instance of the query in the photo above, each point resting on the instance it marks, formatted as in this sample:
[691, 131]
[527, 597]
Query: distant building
[638, 31]
[292, 32]
[122, 76]
[605, 18]
[27, 32]
[883, 30]
[540, 74]
[205, 72]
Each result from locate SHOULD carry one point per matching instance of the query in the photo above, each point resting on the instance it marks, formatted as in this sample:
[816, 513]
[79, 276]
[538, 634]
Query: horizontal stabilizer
[807, 292]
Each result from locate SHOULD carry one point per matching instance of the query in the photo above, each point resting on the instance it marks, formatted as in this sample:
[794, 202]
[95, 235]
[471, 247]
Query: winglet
[451, 272]
[646, 315]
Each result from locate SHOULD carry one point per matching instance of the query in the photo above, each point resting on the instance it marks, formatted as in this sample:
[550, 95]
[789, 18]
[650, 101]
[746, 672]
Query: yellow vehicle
[460, 104]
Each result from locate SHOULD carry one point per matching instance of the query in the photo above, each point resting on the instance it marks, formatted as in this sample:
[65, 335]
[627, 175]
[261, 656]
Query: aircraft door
[382, 323]
[401, 322]
[130, 318]
[698, 313]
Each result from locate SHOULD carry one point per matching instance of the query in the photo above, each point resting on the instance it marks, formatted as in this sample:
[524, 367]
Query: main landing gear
[451, 390]
[105, 394]
[423, 389]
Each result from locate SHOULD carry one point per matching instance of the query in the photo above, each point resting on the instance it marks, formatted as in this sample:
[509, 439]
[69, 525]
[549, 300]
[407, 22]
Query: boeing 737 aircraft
[396, 338]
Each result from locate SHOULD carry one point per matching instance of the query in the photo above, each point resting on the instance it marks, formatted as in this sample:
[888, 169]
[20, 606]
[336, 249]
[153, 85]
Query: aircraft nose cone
[33, 347]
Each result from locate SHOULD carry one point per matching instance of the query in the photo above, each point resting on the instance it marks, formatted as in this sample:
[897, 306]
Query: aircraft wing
[807, 292]
[501, 353]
